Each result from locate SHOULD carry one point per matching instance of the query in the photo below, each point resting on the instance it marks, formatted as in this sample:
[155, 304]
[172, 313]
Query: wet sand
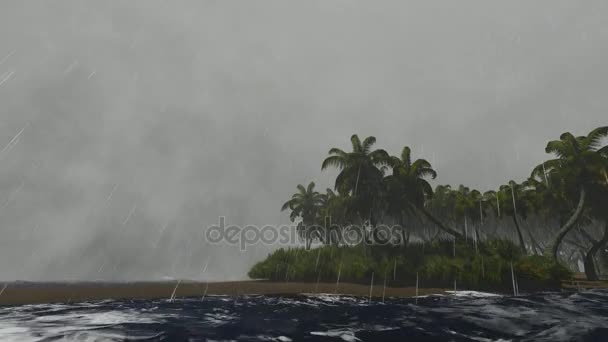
[35, 293]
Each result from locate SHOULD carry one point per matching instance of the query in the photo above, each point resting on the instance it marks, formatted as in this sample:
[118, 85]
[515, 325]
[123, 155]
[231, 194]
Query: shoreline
[20, 293]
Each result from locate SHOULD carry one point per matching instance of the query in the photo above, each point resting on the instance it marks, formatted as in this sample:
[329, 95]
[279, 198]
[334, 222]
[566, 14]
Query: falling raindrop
[371, 288]
[338, 280]
[513, 280]
[13, 141]
[111, 193]
[7, 57]
[6, 76]
[384, 287]
[71, 67]
[130, 214]
[205, 293]
[174, 291]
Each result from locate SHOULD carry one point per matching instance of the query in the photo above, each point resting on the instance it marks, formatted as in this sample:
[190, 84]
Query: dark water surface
[461, 316]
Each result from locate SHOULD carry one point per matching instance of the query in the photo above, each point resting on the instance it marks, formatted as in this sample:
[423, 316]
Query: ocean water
[458, 316]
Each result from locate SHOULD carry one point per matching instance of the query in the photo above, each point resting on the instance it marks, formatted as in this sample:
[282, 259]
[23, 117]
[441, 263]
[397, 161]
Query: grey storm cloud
[139, 123]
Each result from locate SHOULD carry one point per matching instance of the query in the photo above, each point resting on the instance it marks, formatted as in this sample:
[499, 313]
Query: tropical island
[383, 223]
[384, 231]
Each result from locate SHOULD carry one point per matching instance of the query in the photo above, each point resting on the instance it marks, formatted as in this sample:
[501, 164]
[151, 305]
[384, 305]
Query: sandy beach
[34, 293]
[17, 293]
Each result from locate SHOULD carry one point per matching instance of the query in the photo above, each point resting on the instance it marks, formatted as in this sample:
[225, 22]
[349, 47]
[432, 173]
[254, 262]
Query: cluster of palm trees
[560, 211]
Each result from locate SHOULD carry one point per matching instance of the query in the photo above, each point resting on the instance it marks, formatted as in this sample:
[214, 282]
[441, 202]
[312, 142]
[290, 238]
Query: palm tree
[334, 213]
[361, 173]
[598, 197]
[578, 163]
[514, 205]
[468, 206]
[410, 190]
[305, 204]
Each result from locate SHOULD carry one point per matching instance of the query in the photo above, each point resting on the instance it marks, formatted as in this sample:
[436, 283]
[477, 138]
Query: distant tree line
[560, 211]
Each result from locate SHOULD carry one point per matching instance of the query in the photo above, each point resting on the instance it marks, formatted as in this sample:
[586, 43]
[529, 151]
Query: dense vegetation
[544, 225]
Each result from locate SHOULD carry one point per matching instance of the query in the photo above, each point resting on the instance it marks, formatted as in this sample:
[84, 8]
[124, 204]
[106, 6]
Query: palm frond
[594, 138]
[338, 152]
[559, 148]
[333, 161]
[301, 188]
[368, 143]
[571, 140]
[310, 187]
[356, 143]
[406, 156]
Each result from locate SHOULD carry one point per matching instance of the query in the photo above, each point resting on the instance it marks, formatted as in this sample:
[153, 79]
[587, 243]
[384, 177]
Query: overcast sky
[118, 118]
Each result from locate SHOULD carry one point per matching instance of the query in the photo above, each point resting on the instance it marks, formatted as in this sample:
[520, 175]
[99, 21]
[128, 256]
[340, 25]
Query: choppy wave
[458, 316]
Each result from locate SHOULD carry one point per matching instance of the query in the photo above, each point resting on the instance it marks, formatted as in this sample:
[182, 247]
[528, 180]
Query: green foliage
[435, 263]
[373, 187]
[538, 267]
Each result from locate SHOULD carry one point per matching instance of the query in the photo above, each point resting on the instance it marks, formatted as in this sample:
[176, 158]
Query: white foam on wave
[344, 334]
[475, 294]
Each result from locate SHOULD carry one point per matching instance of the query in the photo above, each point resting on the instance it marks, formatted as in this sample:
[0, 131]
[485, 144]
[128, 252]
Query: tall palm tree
[334, 213]
[361, 173]
[468, 206]
[513, 205]
[305, 204]
[408, 180]
[598, 197]
[578, 163]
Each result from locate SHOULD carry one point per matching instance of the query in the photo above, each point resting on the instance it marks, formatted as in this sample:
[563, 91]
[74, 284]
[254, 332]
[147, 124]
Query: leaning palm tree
[305, 204]
[361, 173]
[598, 196]
[513, 205]
[412, 189]
[578, 163]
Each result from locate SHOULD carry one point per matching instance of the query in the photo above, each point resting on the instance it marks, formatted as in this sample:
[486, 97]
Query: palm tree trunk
[522, 244]
[589, 261]
[357, 182]
[553, 247]
[535, 246]
[439, 224]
